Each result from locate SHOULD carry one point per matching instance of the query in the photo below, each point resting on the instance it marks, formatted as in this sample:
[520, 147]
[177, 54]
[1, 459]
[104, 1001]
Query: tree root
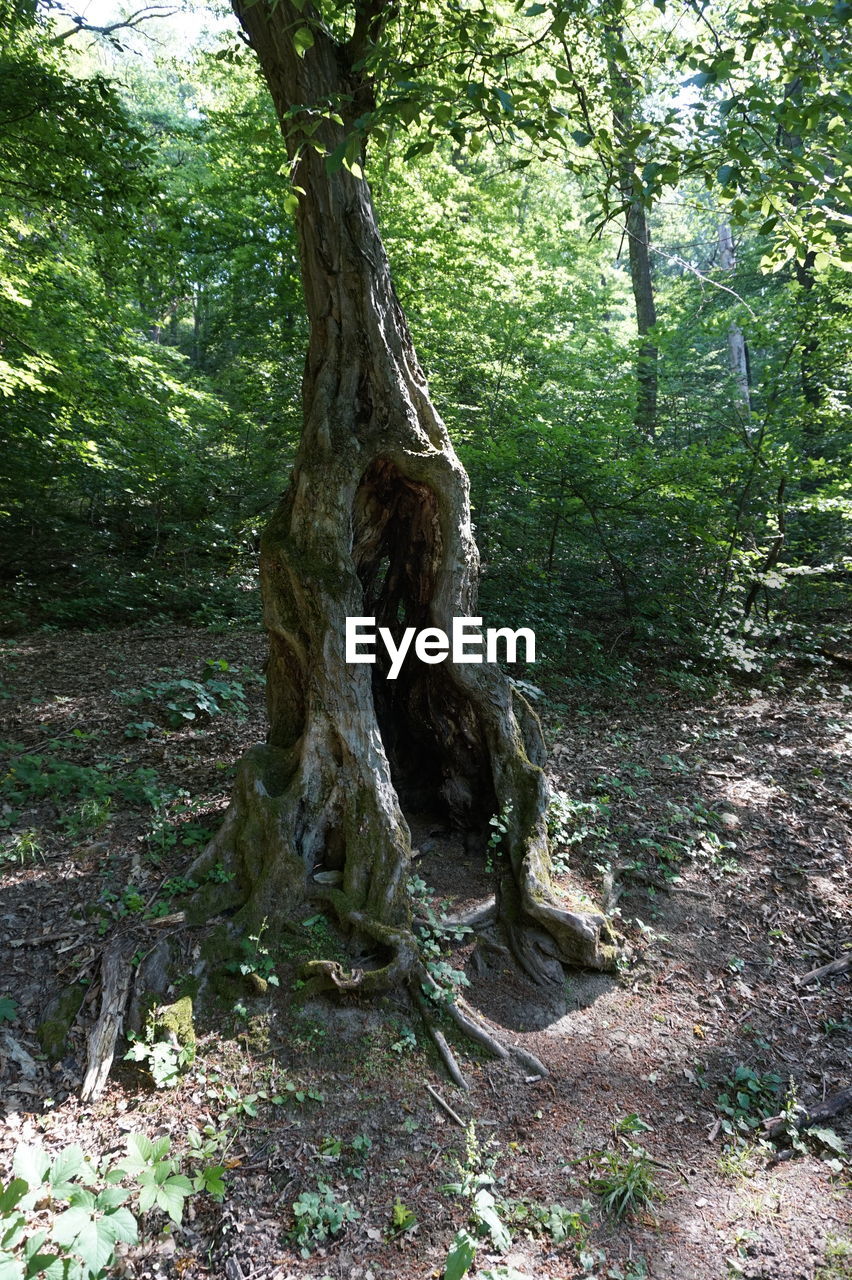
[444, 1051]
[468, 1021]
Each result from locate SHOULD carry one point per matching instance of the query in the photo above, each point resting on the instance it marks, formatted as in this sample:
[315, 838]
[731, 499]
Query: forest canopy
[153, 327]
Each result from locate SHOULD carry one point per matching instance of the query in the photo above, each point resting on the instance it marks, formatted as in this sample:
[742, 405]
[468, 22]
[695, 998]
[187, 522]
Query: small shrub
[320, 1215]
[179, 701]
[747, 1098]
[63, 1216]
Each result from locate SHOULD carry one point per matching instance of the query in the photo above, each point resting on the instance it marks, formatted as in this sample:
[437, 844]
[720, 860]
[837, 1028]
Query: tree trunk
[737, 349]
[636, 225]
[376, 522]
[638, 245]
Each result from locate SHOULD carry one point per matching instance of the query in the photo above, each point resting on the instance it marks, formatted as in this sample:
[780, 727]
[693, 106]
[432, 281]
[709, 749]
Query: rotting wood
[776, 1126]
[841, 965]
[116, 972]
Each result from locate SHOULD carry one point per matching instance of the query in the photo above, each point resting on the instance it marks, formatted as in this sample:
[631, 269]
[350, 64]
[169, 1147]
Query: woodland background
[151, 343]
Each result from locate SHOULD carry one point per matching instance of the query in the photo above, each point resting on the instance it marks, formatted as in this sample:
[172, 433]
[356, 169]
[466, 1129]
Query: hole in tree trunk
[431, 733]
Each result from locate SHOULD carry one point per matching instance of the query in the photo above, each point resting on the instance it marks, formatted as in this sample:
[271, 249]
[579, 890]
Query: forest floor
[733, 813]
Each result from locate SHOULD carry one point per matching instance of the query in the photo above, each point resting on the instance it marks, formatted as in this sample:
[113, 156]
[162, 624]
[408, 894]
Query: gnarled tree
[376, 522]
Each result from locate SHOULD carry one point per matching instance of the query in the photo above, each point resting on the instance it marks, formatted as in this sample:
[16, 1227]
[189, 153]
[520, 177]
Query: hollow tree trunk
[376, 522]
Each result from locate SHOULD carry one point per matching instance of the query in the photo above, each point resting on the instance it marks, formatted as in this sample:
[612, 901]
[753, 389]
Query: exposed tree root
[444, 1051]
[469, 1022]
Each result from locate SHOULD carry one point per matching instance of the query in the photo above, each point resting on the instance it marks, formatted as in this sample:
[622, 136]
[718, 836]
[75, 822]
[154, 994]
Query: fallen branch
[776, 1126]
[446, 1106]
[841, 965]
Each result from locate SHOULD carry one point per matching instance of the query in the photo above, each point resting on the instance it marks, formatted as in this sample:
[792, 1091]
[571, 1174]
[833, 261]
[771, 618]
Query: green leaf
[148, 1197]
[8, 1009]
[582, 139]
[13, 1230]
[69, 1225]
[68, 1164]
[460, 1256]
[505, 100]
[303, 40]
[111, 1198]
[31, 1164]
[829, 1139]
[12, 1194]
[485, 1209]
[120, 1224]
[172, 1194]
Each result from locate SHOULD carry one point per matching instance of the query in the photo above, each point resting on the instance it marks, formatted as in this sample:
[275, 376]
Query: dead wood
[116, 973]
[776, 1126]
[841, 965]
[445, 1106]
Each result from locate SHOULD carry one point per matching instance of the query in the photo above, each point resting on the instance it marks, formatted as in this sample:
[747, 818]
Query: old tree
[376, 522]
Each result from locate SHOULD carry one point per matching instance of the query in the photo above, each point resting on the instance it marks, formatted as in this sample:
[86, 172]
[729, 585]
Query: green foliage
[163, 1050]
[460, 1257]
[21, 848]
[319, 1216]
[8, 1009]
[746, 1100]
[559, 1223]
[402, 1218]
[257, 962]
[434, 931]
[499, 824]
[837, 1260]
[180, 700]
[572, 822]
[153, 329]
[61, 1217]
[155, 1173]
[477, 1183]
[624, 1180]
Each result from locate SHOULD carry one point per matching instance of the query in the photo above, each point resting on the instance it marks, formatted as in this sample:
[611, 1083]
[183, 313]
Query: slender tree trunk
[636, 230]
[376, 522]
[737, 349]
[638, 243]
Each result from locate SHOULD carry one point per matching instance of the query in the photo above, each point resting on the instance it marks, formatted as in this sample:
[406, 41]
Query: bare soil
[727, 818]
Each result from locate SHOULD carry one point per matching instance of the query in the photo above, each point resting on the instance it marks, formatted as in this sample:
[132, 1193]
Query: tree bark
[375, 522]
[737, 349]
[636, 227]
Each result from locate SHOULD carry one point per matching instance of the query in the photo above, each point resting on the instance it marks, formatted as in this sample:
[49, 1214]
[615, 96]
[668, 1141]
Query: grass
[624, 1181]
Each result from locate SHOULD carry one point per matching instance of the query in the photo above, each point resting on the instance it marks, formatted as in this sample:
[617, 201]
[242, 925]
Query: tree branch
[134, 20]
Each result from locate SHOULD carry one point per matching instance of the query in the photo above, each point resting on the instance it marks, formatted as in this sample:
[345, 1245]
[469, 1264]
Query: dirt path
[728, 823]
